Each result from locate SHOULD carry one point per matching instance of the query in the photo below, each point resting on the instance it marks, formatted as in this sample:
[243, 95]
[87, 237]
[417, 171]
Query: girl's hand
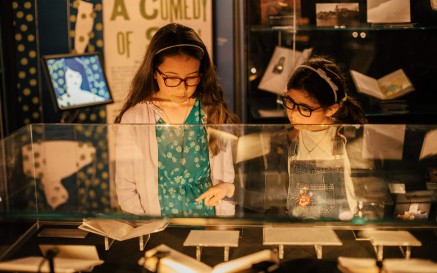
[214, 195]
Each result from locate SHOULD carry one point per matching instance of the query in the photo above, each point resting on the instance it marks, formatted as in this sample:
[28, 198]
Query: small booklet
[122, 230]
[391, 86]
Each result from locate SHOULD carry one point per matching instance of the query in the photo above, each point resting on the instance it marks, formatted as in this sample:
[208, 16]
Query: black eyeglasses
[303, 109]
[176, 81]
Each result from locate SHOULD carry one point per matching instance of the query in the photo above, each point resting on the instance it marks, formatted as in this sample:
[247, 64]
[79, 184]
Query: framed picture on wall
[77, 80]
[388, 11]
[279, 12]
[337, 14]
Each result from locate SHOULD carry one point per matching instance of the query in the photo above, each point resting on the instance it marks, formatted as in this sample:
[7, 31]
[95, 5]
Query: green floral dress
[183, 167]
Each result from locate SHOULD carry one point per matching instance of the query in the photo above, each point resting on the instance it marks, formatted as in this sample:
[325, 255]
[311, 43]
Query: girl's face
[73, 79]
[178, 77]
[307, 106]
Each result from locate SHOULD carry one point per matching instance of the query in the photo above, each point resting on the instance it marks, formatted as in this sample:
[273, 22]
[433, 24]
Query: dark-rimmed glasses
[176, 81]
[302, 109]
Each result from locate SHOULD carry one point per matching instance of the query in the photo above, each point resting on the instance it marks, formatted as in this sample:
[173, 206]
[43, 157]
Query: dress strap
[338, 143]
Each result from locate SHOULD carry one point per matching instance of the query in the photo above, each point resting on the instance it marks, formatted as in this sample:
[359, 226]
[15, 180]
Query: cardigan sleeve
[222, 170]
[127, 153]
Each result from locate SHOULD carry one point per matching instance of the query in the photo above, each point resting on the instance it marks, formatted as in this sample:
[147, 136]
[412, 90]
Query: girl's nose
[182, 88]
[295, 111]
[293, 114]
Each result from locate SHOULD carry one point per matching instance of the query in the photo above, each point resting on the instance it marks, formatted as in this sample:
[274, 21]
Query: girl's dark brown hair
[209, 90]
[350, 111]
[176, 39]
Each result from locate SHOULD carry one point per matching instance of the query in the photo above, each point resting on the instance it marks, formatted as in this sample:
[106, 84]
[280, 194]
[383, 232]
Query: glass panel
[345, 174]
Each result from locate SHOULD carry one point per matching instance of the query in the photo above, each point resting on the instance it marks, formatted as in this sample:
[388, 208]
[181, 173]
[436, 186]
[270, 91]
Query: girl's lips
[181, 98]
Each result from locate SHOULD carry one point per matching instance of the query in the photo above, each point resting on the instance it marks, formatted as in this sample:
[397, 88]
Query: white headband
[179, 45]
[324, 76]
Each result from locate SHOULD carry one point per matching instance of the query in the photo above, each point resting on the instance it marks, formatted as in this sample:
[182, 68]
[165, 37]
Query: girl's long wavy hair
[176, 39]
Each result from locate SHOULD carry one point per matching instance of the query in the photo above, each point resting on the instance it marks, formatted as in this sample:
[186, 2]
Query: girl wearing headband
[323, 86]
[174, 170]
[320, 185]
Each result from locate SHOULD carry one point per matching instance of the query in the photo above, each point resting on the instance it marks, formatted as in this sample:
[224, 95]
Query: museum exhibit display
[372, 198]
[79, 193]
[374, 38]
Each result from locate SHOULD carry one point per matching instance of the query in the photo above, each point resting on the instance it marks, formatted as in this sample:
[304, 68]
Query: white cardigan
[137, 163]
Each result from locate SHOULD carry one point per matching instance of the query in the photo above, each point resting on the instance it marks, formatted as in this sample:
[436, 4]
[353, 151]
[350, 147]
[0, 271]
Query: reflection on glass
[341, 173]
[320, 185]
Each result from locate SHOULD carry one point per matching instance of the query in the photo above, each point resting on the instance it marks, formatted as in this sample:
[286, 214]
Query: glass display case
[355, 34]
[364, 191]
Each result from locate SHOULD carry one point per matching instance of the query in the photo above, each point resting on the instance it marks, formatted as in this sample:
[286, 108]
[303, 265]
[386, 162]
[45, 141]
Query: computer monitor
[76, 80]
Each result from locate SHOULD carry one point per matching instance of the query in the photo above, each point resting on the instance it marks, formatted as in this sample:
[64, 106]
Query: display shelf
[300, 236]
[212, 238]
[372, 49]
[340, 28]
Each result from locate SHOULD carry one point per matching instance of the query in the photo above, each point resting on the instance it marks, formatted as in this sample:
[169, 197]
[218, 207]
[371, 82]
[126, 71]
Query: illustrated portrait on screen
[78, 81]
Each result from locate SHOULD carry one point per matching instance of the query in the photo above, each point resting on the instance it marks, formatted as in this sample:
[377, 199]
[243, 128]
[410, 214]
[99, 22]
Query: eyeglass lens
[173, 82]
[303, 110]
[176, 81]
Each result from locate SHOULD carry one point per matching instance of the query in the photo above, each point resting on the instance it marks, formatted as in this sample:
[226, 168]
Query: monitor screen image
[77, 80]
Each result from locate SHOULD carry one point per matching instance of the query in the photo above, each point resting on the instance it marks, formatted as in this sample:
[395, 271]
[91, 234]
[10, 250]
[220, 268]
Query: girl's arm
[125, 180]
[222, 175]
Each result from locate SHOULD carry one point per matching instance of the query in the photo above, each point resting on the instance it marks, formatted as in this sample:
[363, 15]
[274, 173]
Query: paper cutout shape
[52, 161]
[84, 26]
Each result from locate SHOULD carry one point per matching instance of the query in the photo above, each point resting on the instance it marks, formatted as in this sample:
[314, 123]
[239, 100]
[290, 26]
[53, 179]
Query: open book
[351, 264]
[395, 265]
[392, 85]
[32, 264]
[70, 258]
[175, 261]
[122, 230]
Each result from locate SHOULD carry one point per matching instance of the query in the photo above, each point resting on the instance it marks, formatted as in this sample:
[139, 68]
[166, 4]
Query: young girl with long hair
[175, 170]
